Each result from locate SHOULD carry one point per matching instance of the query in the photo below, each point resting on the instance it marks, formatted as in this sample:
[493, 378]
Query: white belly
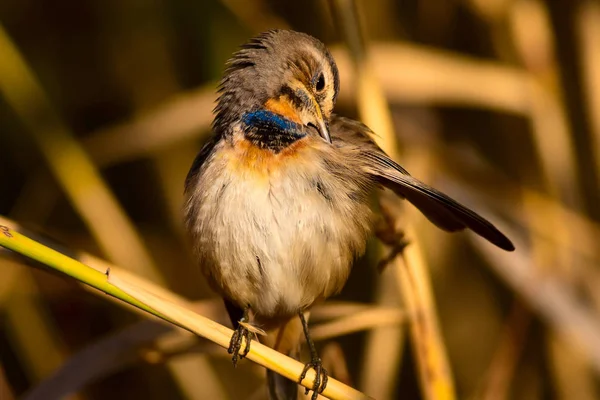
[277, 241]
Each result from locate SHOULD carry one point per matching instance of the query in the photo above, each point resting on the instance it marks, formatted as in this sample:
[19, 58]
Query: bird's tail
[281, 388]
[285, 339]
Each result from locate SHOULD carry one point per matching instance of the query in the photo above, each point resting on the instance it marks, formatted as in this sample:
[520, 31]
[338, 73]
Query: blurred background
[103, 106]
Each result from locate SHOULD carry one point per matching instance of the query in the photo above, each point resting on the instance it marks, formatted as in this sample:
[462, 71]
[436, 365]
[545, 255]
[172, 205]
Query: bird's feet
[320, 382]
[397, 248]
[237, 339]
[315, 363]
[392, 236]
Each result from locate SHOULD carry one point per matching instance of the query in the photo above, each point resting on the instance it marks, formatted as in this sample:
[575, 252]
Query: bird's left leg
[240, 334]
[390, 234]
[315, 363]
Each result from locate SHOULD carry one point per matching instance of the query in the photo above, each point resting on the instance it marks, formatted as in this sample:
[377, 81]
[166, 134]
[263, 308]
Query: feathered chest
[283, 220]
[281, 191]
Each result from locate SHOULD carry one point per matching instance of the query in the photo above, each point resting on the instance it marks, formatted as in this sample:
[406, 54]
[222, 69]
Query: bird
[277, 202]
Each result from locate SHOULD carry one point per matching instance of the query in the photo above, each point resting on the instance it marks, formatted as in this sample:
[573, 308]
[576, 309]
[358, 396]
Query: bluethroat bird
[278, 201]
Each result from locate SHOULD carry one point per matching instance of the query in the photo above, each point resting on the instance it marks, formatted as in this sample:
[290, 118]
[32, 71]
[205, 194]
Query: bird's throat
[272, 131]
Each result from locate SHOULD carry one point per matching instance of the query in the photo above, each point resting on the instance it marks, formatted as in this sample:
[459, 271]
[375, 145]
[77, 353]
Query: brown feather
[440, 209]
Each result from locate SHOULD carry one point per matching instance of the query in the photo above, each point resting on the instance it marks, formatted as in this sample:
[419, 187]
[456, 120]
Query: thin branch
[125, 290]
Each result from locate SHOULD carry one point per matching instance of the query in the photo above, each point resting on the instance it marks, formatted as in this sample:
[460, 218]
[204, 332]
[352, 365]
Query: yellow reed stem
[411, 269]
[126, 290]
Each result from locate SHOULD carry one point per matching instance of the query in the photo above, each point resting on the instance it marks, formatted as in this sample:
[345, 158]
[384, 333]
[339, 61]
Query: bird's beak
[323, 131]
[320, 124]
[309, 113]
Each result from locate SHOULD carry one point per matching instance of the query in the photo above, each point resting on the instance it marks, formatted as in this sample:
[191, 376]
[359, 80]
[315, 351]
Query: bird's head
[279, 87]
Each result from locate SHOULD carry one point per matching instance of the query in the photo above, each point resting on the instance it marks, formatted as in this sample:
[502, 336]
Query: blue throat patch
[264, 118]
[271, 131]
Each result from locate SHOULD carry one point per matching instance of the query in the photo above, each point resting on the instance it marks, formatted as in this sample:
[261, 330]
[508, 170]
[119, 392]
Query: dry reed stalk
[102, 266]
[172, 165]
[196, 377]
[550, 297]
[256, 15]
[5, 389]
[436, 375]
[335, 362]
[368, 317]
[413, 278]
[383, 349]
[221, 335]
[581, 229]
[532, 33]
[70, 164]
[574, 379]
[498, 379]
[28, 325]
[490, 10]
[31, 331]
[128, 291]
[183, 117]
[337, 309]
[359, 321]
[527, 30]
[428, 77]
[588, 28]
[169, 344]
[11, 274]
[33, 334]
[82, 183]
[37, 198]
[332, 312]
[555, 300]
[97, 360]
[524, 26]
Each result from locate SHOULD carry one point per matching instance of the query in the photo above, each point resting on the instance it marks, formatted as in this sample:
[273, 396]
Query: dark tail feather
[280, 387]
[440, 209]
[286, 340]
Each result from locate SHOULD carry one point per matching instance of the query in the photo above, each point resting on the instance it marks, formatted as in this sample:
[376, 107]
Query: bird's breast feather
[245, 157]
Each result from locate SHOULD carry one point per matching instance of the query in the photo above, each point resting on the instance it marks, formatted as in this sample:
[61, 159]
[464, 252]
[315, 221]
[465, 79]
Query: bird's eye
[320, 83]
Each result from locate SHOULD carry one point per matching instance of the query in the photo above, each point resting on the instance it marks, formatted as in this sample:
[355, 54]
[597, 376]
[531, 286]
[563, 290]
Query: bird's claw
[319, 384]
[397, 241]
[235, 345]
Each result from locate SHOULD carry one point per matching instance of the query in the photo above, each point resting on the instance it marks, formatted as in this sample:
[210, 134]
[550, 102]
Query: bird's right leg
[315, 363]
[389, 234]
[239, 318]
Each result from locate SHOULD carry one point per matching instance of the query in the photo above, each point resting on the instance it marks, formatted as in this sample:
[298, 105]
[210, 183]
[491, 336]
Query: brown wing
[440, 209]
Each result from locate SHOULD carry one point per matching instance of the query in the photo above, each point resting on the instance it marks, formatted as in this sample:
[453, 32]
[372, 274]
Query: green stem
[27, 247]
